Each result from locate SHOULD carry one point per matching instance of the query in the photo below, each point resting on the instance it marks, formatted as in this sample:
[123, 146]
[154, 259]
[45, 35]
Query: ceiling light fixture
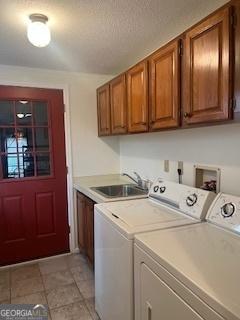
[20, 115]
[23, 101]
[38, 32]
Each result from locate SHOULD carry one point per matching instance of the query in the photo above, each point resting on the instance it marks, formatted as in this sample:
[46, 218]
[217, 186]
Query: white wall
[215, 146]
[91, 155]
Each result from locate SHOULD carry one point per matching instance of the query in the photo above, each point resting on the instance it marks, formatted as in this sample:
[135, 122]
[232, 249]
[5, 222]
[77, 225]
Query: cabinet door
[81, 221]
[207, 70]
[118, 105]
[165, 87]
[137, 98]
[103, 105]
[90, 229]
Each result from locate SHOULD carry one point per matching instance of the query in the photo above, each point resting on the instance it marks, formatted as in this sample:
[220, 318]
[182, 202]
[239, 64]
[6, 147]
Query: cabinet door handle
[149, 311]
[187, 115]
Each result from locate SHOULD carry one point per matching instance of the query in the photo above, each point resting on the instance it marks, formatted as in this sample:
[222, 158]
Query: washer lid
[205, 258]
[142, 212]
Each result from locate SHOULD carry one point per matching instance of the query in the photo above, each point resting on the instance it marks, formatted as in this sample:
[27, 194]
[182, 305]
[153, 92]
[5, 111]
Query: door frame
[67, 129]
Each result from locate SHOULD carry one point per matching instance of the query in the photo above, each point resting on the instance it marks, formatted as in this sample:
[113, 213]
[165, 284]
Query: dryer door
[160, 302]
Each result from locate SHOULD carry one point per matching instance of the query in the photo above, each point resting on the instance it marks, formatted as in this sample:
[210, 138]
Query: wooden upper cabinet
[137, 98]
[165, 87]
[207, 70]
[103, 105]
[118, 105]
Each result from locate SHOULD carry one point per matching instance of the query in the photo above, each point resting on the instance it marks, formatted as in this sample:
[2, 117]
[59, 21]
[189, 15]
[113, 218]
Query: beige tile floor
[65, 284]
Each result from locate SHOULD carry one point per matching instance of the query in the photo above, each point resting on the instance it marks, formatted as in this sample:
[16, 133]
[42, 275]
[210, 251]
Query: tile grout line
[89, 309]
[84, 300]
[75, 283]
[10, 285]
[44, 291]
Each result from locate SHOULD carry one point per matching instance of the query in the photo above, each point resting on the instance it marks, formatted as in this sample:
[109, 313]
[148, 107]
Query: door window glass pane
[10, 166]
[6, 113]
[25, 139]
[26, 165]
[8, 143]
[40, 113]
[43, 164]
[41, 139]
[23, 113]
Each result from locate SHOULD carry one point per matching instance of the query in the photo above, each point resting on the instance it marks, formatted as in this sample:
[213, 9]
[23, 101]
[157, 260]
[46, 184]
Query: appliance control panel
[189, 200]
[225, 212]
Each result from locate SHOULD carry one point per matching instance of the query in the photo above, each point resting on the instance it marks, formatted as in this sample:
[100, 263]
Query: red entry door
[33, 186]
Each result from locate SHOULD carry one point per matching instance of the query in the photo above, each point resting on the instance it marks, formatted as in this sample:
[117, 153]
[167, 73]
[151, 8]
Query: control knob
[155, 189]
[191, 199]
[228, 210]
[162, 189]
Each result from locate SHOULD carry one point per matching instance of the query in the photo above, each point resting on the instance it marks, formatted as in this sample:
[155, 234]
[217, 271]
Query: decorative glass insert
[8, 142]
[24, 113]
[24, 139]
[43, 164]
[41, 139]
[9, 164]
[26, 165]
[40, 113]
[6, 113]
[25, 148]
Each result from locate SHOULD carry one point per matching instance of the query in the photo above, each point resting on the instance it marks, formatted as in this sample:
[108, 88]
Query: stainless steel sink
[119, 191]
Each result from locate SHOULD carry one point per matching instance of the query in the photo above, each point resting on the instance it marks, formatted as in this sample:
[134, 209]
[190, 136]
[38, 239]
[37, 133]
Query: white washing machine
[191, 272]
[169, 205]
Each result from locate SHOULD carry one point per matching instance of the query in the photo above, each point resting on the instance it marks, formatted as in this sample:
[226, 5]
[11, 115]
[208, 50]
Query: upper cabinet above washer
[118, 105]
[103, 104]
[137, 98]
[207, 70]
[194, 80]
[164, 95]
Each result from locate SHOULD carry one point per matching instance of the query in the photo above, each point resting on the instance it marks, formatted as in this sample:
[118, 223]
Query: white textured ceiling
[99, 36]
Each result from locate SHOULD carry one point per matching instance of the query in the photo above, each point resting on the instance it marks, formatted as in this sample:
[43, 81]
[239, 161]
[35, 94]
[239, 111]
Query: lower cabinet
[85, 222]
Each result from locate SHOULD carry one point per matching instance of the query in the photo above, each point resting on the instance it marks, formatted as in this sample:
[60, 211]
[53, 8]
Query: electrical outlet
[166, 165]
[180, 165]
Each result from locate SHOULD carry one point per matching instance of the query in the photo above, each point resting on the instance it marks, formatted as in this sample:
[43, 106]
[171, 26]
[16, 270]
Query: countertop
[83, 185]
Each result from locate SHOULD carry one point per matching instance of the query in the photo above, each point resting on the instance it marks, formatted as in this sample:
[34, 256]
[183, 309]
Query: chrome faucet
[139, 181]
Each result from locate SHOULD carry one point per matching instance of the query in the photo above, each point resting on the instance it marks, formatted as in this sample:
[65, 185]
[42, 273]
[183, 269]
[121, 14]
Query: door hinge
[64, 107]
[69, 229]
[180, 49]
[67, 170]
[233, 103]
[233, 20]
